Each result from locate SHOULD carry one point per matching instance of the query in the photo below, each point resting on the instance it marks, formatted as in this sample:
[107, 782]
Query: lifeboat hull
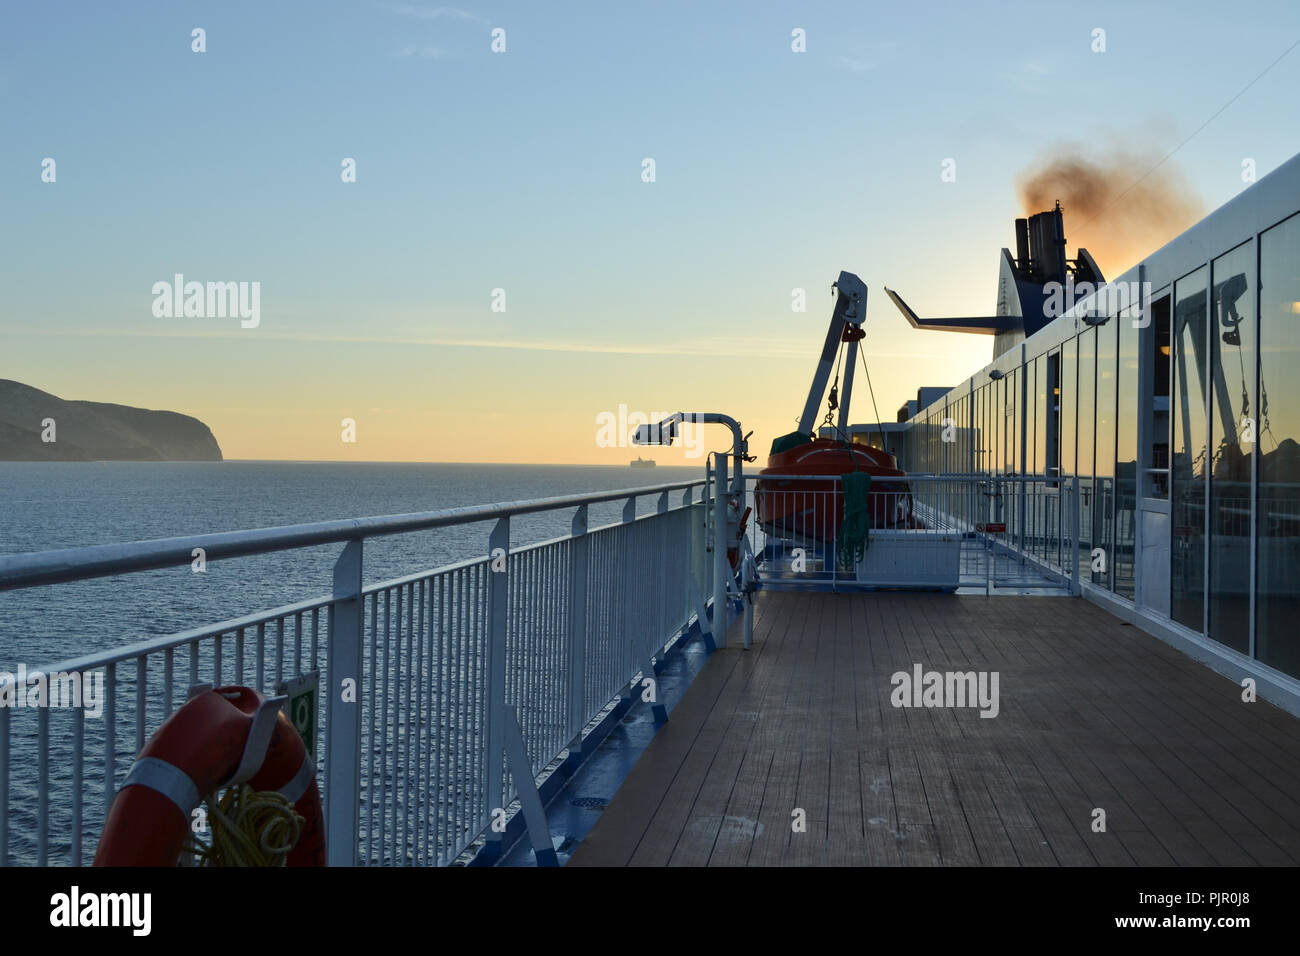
[812, 510]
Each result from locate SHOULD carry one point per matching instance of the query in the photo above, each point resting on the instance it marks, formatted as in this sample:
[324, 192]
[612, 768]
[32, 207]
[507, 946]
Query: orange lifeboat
[811, 510]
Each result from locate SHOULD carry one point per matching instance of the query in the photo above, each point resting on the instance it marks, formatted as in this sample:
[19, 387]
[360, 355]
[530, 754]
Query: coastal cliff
[95, 431]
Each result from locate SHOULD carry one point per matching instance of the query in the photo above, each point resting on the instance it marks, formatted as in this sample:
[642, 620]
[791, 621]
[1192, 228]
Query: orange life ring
[203, 746]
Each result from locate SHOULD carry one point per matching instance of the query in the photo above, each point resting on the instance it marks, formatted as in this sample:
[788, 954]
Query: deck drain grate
[589, 803]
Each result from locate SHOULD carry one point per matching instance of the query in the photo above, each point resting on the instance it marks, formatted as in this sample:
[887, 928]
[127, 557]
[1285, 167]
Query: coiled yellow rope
[249, 828]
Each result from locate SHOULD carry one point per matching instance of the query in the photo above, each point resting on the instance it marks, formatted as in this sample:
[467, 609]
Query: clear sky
[522, 171]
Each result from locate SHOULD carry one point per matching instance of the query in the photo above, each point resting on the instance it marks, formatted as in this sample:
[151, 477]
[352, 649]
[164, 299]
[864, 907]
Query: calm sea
[52, 505]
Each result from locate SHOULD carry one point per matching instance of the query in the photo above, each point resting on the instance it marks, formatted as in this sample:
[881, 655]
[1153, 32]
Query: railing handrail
[37, 568]
[128, 652]
[963, 476]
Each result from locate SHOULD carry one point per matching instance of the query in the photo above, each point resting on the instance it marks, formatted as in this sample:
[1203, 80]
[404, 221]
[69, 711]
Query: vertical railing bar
[518, 677]
[422, 726]
[460, 694]
[433, 749]
[559, 648]
[546, 699]
[241, 651]
[412, 726]
[455, 685]
[481, 637]
[399, 734]
[547, 692]
[373, 711]
[42, 784]
[415, 724]
[4, 786]
[78, 772]
[400, 681]
[443, 743]
[110, 734]
[382, 704]
[279, 648]
[168, 675]
[475, 651]
[141, 689]
[423, 836]
[297, 643]
[315, 638]
[394, 778]
[531, 639]
[331, 690]
[536, 622]
[216, 661]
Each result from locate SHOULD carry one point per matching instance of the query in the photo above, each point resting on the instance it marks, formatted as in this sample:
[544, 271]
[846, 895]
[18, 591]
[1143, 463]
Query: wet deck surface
[1093, 714]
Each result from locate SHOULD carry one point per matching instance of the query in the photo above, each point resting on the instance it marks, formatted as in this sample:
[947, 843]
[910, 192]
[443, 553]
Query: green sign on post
[301, 707]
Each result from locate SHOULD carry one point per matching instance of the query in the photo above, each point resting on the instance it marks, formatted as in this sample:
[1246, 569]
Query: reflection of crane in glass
[1190, 312]
[1225, 299]
[1229, 291]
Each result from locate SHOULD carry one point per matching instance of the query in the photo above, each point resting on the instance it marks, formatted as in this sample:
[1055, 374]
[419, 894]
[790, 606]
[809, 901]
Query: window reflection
[1188, 465]
[1278, 423]
[1232, 352]
[1087, 424]
[1104, 455]
[1126, 419]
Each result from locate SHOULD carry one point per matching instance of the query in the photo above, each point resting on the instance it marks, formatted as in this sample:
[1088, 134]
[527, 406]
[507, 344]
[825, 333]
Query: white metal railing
[413, 770]
[1008, 530]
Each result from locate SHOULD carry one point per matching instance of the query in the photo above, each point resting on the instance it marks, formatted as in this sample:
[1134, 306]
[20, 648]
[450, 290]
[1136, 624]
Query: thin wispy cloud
[1032, 76]
[868, 56]
[770, 348]
[433, 13]
[424, 52]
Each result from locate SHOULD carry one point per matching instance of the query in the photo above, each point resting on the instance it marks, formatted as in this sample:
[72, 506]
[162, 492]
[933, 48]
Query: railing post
[720, 552]
[1022, 487]
[577, 627]
[4, 788]
[696, 601]
[629, 586]
[343, 710]
[498, 600]
[665, 607]
[1077, 526]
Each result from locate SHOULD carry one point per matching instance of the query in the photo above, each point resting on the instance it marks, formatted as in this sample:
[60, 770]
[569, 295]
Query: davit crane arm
[846, 326]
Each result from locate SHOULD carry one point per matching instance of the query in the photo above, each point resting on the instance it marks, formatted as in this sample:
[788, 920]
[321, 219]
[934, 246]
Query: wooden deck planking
[1093, 713]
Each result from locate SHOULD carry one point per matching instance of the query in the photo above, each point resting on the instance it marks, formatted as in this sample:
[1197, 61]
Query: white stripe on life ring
[296, 787]
[169, 780]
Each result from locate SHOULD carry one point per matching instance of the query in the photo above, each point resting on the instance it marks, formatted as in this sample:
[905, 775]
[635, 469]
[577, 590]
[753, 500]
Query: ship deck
[1093, 714]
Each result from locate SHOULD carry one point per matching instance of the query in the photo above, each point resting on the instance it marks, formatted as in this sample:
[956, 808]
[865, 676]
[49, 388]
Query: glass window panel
[1277, 603]
[1188, 464]
[1126, 421]
[1040, 462]
[997, 425]
[1069, 402]
[1011, 461]
[986, 439]
[1104, 451]
[1087, 424]
[1232, 360]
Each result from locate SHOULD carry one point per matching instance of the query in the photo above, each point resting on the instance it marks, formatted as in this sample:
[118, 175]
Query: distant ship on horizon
[640, 462]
